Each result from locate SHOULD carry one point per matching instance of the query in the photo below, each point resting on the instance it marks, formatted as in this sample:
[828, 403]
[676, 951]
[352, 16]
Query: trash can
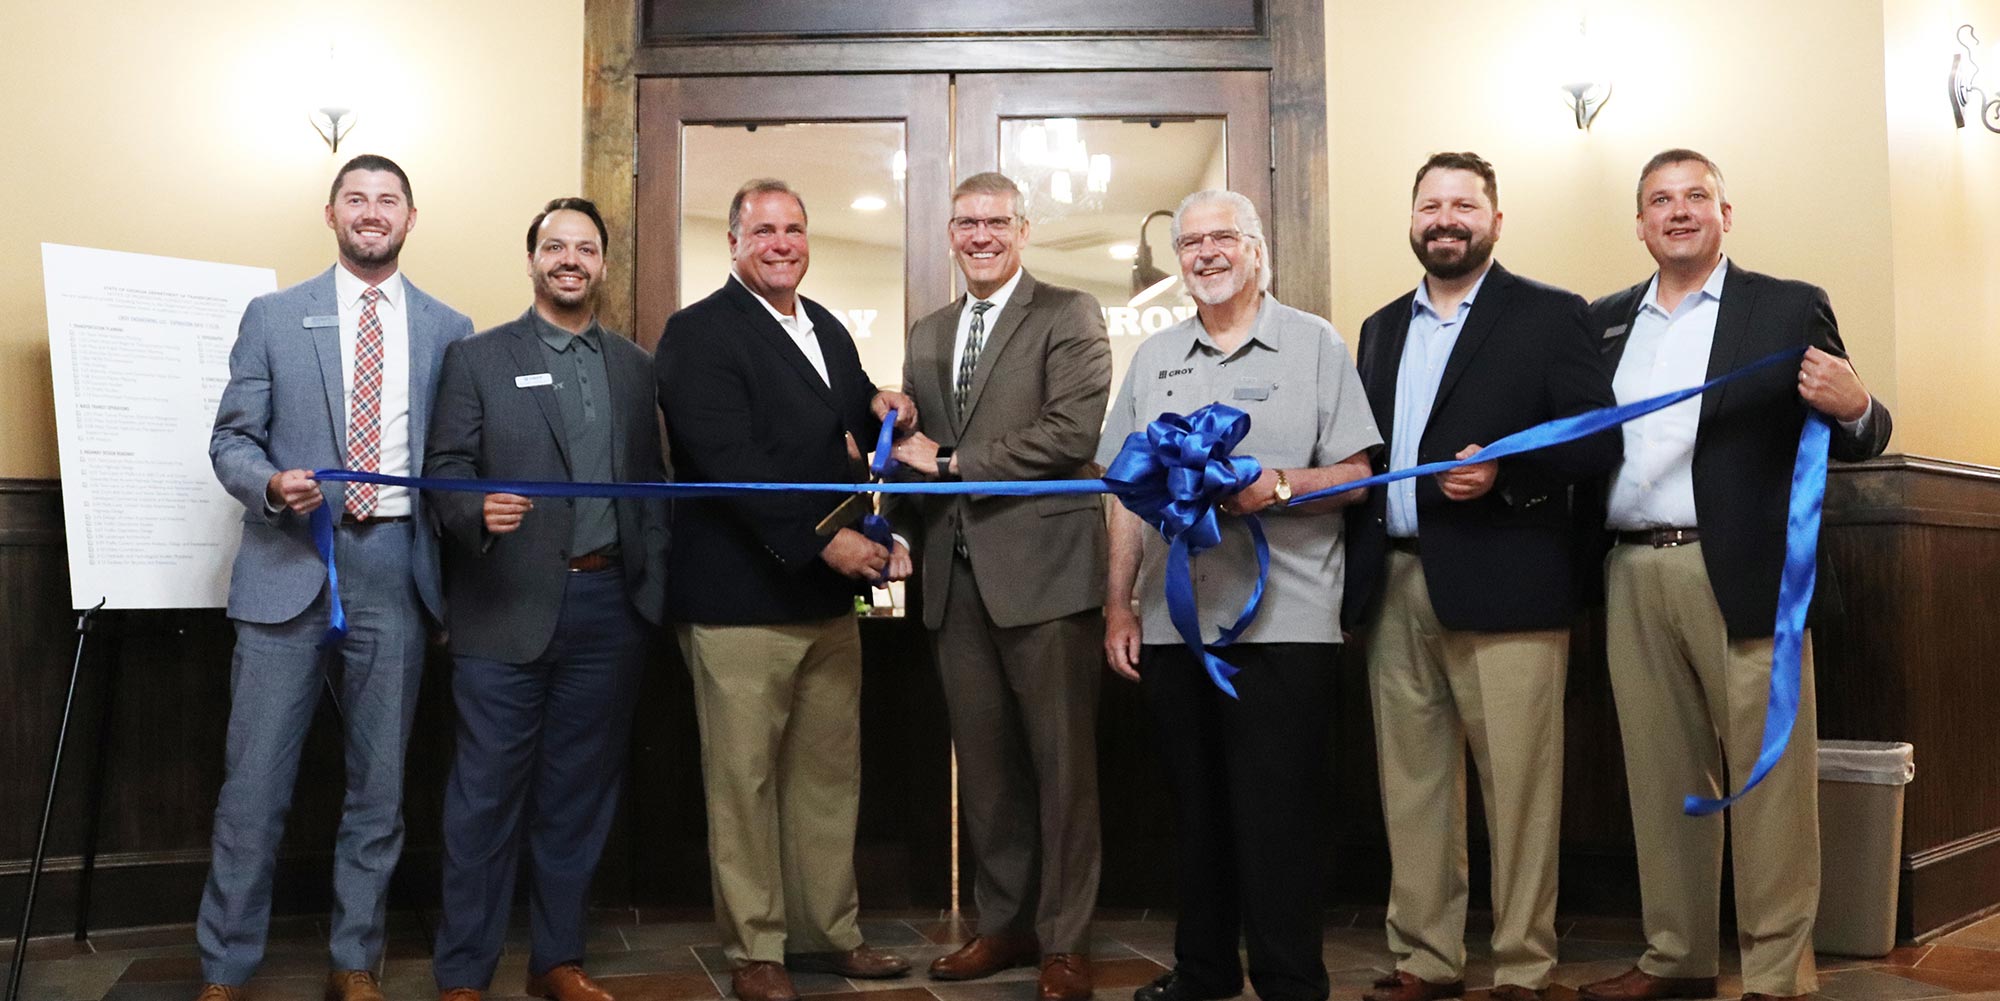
[1860, 844]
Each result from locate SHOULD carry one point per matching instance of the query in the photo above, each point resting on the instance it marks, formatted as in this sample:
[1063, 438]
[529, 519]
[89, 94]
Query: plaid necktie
[968, 362]
[364, 420]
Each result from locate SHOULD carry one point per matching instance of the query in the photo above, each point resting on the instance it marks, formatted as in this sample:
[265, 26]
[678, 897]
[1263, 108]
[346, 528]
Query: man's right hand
[1121, 641]
[294, 489]
[504, 512]
[855, 555]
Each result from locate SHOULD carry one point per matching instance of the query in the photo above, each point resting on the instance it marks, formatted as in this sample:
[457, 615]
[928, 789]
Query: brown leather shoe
[1065, 977]
[1514, 992]
[1637, 985]
[565, 983]
[762, 980]
[860, 962]
[459, 994]
[219, 992]
[986, 955]
[352, 985]
[1402, 986]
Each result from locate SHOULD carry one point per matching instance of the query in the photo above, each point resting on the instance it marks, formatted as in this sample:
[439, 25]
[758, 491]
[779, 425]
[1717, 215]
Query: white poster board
[139, 346]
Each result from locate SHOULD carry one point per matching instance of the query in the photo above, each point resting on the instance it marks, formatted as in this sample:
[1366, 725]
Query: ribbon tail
[322, 533]
[1181, 609]
[1795, 591]
[1256, 599]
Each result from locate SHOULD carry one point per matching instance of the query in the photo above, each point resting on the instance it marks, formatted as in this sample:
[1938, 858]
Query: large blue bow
[1172, 475]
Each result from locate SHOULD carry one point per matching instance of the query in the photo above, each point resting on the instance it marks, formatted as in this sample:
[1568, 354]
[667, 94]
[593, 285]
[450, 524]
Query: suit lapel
[945, 333]
[1385, 357]
[1612, 344]
[778, 342]
[996, 340]
[423, 362]
[1732, 331]
[1494, 297]
[624, 382]
[324, 300]
[529, 360]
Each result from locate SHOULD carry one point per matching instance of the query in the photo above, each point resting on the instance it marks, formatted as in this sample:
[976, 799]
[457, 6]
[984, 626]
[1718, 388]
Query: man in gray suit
[334, 372]
[552, 607]
[1011, 382]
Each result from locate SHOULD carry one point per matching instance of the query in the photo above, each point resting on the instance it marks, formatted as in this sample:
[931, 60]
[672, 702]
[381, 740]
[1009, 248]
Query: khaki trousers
[779, 708]
[1435, 691]
[1691, 706]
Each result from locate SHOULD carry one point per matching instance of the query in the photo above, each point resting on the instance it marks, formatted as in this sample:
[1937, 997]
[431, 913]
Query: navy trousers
[541, 755]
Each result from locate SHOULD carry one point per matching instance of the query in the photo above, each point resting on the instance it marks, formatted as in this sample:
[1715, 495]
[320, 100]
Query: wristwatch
[1284, 488]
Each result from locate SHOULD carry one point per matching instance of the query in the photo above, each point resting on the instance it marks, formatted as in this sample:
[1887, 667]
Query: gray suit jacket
[506, 591]
[1034, 413]
[284, 408]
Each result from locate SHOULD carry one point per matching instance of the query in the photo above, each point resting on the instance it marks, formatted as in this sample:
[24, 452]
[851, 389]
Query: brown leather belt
[597, 562]
[1403, 545]
[348, 519]
[1659, 538]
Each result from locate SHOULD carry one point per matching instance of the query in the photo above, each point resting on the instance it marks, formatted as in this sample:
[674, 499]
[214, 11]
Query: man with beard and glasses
[1462, 586]
[336, 371]
[553, 606]
[1694, 522]
[1249, 773]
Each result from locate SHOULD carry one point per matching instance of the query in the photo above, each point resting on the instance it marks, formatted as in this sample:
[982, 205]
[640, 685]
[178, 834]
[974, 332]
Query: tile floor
[642, 956]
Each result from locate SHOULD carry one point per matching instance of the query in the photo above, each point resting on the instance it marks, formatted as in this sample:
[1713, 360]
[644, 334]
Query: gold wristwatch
[1284, 488]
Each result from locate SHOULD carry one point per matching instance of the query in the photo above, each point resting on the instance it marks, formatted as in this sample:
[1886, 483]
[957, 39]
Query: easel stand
[87, 621]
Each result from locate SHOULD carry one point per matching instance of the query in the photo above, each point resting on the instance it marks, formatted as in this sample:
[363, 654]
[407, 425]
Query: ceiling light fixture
[868, 203]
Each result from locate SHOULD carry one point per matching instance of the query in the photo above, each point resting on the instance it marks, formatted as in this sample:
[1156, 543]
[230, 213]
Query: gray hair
[1246, 220]
[759, 186]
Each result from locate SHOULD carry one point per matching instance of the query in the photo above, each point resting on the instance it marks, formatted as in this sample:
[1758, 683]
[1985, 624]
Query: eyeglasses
[966, 224]
[1226, 240]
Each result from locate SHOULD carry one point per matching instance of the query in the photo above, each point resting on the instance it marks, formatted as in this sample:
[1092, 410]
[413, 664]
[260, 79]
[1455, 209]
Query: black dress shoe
[1172, 986]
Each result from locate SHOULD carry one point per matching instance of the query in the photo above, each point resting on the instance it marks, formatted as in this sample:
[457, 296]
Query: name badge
[1253, 391]
[1617, 331]
[538, 379]
[314, 322]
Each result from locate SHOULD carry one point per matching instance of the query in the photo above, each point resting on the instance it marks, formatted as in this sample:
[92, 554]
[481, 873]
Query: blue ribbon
[1172, 475]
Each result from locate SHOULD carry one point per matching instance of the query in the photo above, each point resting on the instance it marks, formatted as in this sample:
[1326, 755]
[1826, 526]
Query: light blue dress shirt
[1425, 352]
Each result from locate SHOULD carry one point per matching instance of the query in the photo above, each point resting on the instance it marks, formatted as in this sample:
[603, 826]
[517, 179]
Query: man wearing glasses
[1462, 583]
[1011, 380]
[1248, 774]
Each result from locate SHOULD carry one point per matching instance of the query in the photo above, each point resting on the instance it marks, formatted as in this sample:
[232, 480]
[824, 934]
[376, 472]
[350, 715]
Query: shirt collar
[1001, 295]
[559, 339]
[347, 288]
[1712, 288]
[1422, 303]
[1262, 333]
[799, 324]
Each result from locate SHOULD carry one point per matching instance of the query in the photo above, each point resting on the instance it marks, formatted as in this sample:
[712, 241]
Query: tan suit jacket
[1035, 411]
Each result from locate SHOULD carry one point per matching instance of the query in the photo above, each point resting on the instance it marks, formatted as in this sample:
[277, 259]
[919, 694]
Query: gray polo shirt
[583, 396]
[1295, 379]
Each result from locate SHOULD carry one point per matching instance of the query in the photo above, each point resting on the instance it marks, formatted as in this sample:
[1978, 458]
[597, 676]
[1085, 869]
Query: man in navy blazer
[335, 372]
[1698, 512]
[760, 383]
[1462, 583]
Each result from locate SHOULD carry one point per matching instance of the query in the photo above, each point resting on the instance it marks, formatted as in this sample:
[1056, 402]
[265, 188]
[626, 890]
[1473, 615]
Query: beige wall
[1787, 95]
[179, 129]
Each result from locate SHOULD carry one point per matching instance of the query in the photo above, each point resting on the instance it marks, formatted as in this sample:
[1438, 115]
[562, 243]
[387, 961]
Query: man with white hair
[1248, 773]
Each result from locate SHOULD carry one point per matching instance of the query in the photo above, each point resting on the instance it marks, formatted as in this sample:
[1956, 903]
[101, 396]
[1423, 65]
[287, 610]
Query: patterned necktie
[364, 421]
[968, 362]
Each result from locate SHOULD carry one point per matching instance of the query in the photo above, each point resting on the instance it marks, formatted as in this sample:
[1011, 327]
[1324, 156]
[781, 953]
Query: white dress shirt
[392, 309]
[799, 327]
[1426, 349]
[992, 317]
[1664, 351]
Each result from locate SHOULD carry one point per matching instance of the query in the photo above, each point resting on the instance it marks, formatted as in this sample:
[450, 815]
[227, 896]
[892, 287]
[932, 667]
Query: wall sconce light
[1959, 88]
[333, 124]
[1148, 282]
[1587, 89]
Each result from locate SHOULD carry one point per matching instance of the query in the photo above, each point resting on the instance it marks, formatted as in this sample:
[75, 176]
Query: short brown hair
[583, 205]
[760, 186]
[371, 162]
[990, 182]
[1669, 157]
[1460, 161]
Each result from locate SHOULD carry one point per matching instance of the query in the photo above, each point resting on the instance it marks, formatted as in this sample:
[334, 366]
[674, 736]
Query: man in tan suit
[1011, 381]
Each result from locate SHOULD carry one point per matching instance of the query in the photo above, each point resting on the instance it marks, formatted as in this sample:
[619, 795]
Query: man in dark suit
[336, 371]
[1699, 511]
[552, 605]
[1012, 380]
[1461, 583]
[759, 383]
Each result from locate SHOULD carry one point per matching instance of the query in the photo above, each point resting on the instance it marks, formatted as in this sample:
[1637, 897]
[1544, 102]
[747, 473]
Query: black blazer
[504, 592]
[1506, 560]
[1749, 433]
[743, 403]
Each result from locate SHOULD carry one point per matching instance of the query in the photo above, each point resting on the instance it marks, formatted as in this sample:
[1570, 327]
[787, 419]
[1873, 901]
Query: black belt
[350, 519]
[1405, 545]
[597, 562]
[1659, 538]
